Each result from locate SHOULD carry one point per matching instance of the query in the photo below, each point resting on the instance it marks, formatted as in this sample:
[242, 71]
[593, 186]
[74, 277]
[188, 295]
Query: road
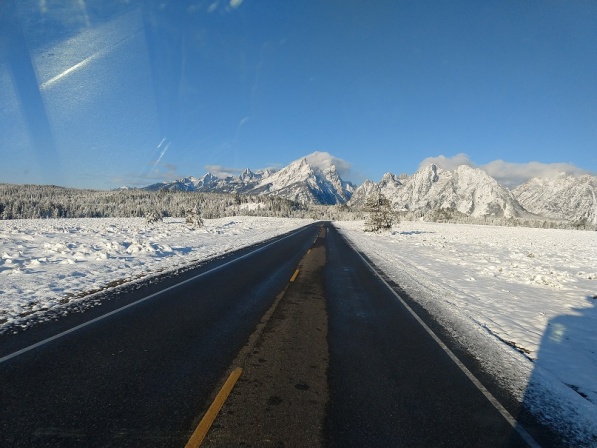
[143, 376]
[330, 357]
[391, 383]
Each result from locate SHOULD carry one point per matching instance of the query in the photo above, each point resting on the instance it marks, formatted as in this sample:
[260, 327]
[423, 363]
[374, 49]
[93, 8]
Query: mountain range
[309, 180]
[314, 179]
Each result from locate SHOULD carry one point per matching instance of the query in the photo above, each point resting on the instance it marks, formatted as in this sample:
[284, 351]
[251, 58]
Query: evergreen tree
[379, 213]
[153, 217]
[193, 217]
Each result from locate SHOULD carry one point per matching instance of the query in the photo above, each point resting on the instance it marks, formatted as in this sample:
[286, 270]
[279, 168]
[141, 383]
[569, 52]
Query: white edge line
[103, 316]
[496, 404]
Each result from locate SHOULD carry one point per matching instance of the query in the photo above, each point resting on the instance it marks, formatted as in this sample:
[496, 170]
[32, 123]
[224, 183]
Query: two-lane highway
[330, 356]
[143, 376]
[390, 382]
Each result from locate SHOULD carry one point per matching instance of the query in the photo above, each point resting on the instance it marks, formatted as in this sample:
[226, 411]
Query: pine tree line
[453, 216]
[41, 201]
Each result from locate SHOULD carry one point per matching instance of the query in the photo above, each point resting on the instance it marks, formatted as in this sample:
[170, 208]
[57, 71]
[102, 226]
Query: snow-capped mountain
[314, 179]
[389, 185]
[184, 184]
[303, 182]
[191, 183]
[361, 194]
[468, 190]
[565, 197]
[213, 184]
[311, 180]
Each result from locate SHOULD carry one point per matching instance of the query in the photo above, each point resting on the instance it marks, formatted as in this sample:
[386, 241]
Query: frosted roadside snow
[48, 264]
[523, 301]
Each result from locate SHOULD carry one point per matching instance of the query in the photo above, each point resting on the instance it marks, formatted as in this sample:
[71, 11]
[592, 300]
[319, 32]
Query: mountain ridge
[564, 196]
[467, 190]
[309, 182]
[314, 179]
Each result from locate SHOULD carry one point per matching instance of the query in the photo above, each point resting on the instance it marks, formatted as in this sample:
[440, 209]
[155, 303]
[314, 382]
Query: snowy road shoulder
[521, 300]
[46, 265]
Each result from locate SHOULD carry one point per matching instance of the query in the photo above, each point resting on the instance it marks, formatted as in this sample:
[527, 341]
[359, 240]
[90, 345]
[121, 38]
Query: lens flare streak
[84, 62]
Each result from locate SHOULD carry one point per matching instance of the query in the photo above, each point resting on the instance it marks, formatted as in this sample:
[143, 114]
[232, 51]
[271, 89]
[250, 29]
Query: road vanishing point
[295, 342]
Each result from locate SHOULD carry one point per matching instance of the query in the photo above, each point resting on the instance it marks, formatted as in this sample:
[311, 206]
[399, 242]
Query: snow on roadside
[47, 264]
[523, 301]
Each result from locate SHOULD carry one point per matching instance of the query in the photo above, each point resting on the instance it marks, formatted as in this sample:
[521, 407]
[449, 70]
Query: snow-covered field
[48, 264]
[524, 301]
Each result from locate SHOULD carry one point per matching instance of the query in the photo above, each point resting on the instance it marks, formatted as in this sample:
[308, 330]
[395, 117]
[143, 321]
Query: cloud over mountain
[324, 160]
[223, 171]
[447, 163]
[512, 174]
[508, 174]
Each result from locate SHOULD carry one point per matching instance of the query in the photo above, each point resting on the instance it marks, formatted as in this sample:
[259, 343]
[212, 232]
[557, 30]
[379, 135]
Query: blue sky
[111, 93]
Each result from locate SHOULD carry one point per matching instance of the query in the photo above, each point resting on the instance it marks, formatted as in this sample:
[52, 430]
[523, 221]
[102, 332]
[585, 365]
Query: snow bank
[47, 264]
[524, 301]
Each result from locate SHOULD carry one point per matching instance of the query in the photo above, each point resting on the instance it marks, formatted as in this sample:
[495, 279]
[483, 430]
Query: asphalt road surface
[143, 376]
[330, 357]
[391, 383]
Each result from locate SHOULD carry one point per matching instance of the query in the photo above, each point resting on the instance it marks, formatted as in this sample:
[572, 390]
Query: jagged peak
[247, 174]
[429, 171]
[209, 176]
[266, 172]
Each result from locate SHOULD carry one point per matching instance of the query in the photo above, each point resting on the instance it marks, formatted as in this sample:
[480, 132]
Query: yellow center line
[294, 275]
[211, 414]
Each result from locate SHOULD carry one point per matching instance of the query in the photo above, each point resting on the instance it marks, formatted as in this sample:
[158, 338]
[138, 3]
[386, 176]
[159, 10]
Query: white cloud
[509, 174]
[324, 160]
[224, 6]
[448, 163]
[223, 171]
[512, 174]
